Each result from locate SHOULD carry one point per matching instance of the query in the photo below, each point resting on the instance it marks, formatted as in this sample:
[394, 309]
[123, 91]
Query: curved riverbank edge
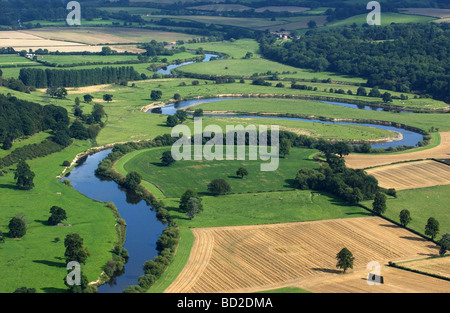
[394, 108]
[426, 141]
[396, 136]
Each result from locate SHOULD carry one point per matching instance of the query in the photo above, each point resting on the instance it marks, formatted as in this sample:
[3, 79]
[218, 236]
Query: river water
[143, 228]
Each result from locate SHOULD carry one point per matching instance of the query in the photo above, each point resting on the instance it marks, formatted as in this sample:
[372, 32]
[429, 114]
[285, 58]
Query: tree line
[40, 78]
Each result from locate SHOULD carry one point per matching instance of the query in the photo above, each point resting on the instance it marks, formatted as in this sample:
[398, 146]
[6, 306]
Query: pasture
[175, 179]
[37, 259]
[422, 203]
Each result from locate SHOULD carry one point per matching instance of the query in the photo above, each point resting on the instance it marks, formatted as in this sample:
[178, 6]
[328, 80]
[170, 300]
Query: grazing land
[412, 175]
[254, 258]
[37, 259]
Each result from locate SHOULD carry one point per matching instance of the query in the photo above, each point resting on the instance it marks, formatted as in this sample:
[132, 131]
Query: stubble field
[255, 258]
[412, 175]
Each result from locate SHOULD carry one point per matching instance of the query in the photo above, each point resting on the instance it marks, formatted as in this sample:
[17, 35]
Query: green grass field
[71, 59]
[37, 260]
[18, 143]
[423, 121]
[422, 203]
[8, 59]
[184, 174]
[386, 19]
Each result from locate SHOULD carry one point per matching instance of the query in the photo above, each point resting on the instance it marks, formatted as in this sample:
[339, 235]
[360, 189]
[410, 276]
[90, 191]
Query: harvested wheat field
[437, 266]
[365, 160]
[263, 257]
[395, 281]
[412, 175]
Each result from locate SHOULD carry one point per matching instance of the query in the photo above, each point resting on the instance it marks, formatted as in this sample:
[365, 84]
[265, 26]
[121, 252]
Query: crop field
[442, 151]
[396, 281]
[441, 13]
[23, 41]
[71, 59]
[436, 266]
[106, 35]
[255, 258]
[412, 175]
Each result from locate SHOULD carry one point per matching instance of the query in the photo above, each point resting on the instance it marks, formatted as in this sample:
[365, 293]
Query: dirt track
[263, 257]
[442, 151]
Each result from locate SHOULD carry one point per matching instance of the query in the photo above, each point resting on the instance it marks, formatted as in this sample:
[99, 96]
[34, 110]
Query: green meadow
[196, 174]
[37, 259]
[422, 203]
[286, 106]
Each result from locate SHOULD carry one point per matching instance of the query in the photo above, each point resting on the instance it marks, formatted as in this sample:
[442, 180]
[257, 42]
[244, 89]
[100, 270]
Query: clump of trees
[18, 226]
[167, 159]
[58, 215]
[219, 186]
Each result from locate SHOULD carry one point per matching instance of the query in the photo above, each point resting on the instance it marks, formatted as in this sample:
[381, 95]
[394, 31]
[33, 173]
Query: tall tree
[193, 208]
[17, 226]
[405, 217]
[379, 203]
[432, 228]
[74, 249]
[344, 259]
[285, 147]
[444, 244]
[24, 176]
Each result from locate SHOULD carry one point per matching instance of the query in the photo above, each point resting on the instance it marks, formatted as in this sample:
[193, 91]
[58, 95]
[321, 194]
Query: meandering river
[143, 228]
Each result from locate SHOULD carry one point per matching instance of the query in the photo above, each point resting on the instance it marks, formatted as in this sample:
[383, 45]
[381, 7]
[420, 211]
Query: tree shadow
[290, 183]
[390, 225]
[43, 222]
[51, 263]
[234, 177]
[359, 213]
[54, 290]
[413, 238]
[9, 186]
[158, 164]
